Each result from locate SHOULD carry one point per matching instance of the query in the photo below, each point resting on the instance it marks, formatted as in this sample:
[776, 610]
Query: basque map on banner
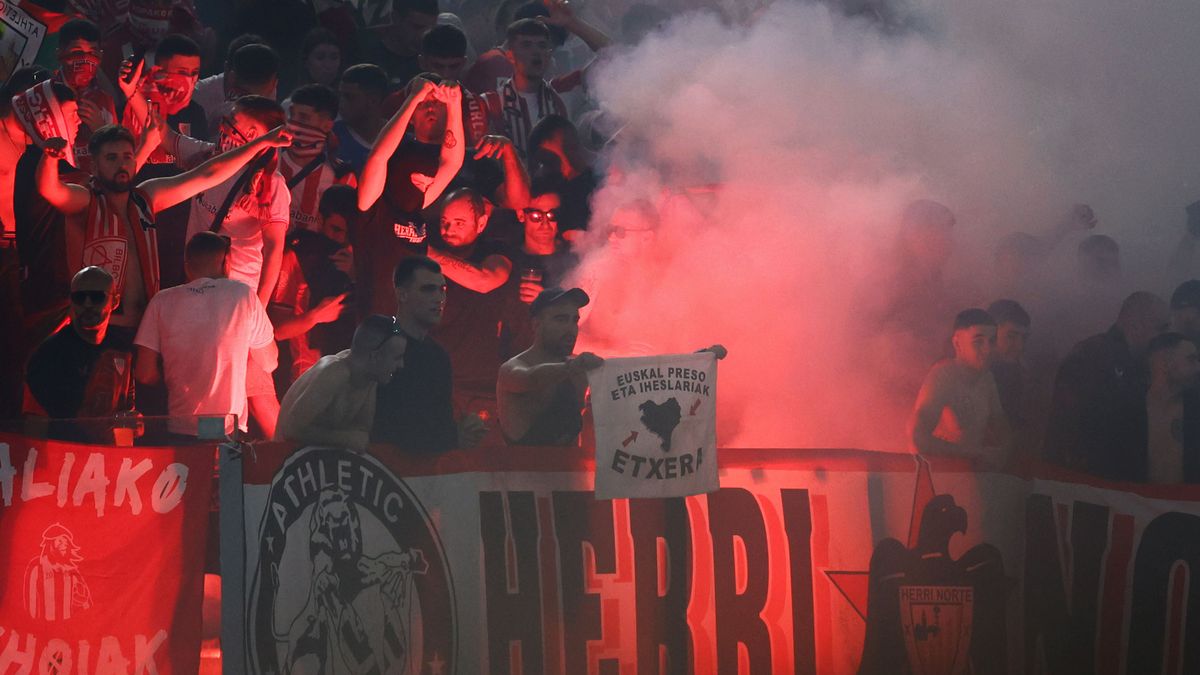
[101, 568]
[656, 428]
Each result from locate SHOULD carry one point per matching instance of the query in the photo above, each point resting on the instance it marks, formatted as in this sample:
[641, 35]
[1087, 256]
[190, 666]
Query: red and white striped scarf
[106, 240]
[519, 119]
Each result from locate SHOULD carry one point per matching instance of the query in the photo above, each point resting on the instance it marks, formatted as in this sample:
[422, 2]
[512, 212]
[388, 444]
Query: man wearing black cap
[540, 391]
[1185, 309]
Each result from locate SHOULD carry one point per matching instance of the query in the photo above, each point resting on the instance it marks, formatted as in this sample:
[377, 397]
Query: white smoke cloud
[816, 130]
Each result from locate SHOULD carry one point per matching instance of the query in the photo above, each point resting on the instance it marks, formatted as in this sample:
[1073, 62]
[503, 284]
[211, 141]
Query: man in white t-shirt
[958, 411]
[204, 332]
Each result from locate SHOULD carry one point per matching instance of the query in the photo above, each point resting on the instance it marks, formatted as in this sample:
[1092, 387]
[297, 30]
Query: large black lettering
[1061, 628]
[579, 517]
[662, 619]
[513, 614]
[1169, 538]
[797, 522]
[734, 513]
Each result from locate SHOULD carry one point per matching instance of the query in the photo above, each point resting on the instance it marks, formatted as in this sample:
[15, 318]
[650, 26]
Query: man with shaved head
[1098, 409]
[82, 370]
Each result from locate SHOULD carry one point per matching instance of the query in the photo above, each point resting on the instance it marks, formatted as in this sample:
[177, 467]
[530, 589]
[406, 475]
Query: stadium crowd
[357, 226]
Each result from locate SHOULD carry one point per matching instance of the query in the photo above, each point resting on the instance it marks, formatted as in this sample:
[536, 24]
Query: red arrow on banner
[632, 437]
[695, 406]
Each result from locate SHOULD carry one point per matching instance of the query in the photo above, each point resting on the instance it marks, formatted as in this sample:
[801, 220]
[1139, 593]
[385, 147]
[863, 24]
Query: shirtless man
[125, 241]
[958, 410]
[333, 403]
[540, 391]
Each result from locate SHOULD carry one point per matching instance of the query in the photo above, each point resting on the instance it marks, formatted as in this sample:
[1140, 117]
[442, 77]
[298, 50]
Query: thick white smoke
[774, 158]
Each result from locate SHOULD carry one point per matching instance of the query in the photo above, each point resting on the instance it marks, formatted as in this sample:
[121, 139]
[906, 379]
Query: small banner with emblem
[656, 428]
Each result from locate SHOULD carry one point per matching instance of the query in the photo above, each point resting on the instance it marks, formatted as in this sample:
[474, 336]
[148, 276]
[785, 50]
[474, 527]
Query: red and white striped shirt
[306, 195]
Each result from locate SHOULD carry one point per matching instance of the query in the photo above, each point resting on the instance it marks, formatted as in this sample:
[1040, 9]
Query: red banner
[101, 568]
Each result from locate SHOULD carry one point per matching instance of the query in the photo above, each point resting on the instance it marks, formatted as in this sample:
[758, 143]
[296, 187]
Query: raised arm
[514, 194]
[516, 377]
[68, 198]
[453, 145]
[374, 173]
[561, 15]
[167, 192]
[483, 278]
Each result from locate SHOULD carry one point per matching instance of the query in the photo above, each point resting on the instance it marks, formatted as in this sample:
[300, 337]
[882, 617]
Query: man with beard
[415, 411]
[80, 371]
[401, 177]
[115, 220]
[540, 391]
[333, 403]
[476, 272]
[305, 164]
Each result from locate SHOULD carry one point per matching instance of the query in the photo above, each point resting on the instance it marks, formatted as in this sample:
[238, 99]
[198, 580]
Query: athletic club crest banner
[656, 430]
[102, 555]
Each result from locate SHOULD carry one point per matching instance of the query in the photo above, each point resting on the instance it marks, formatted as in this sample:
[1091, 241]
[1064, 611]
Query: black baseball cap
[552, 295]
[1187, 295]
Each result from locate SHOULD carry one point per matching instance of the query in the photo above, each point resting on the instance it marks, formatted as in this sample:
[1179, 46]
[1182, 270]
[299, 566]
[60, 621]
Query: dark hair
[969, 318]
[109, 133]
[1009, 311]
[20, 80]
[373, 333]
[315, 38]
[319, 97]
[255, 64]
[368, 76]
[545, 185]
[407, 268]
[444, 42]
[924, 213]
[206, 246]
[62, 92]
[536, 9]
[476, 199]
[400, 7]
[261, 109]
[549, 126]
[78, 29]
[1186, 295]
[1097, 244]
[526, 27]
[1165, 342]
[175, 45]
[339, 199]
[239, 42]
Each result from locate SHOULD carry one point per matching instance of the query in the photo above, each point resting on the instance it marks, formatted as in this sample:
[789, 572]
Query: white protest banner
[656, 429]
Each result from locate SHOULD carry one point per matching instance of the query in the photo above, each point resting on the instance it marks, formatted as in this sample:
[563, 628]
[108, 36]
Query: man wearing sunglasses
[333, 403]
[81, 371]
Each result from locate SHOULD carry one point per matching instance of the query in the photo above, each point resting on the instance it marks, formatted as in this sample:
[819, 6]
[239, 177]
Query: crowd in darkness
[356, 226]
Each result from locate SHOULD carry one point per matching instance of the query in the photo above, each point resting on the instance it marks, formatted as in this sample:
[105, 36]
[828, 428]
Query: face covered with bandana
[80, 60]
[238, 130]
[310, 129]
[171, 83]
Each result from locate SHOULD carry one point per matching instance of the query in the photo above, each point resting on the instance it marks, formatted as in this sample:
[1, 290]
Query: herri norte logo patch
[352, 577]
